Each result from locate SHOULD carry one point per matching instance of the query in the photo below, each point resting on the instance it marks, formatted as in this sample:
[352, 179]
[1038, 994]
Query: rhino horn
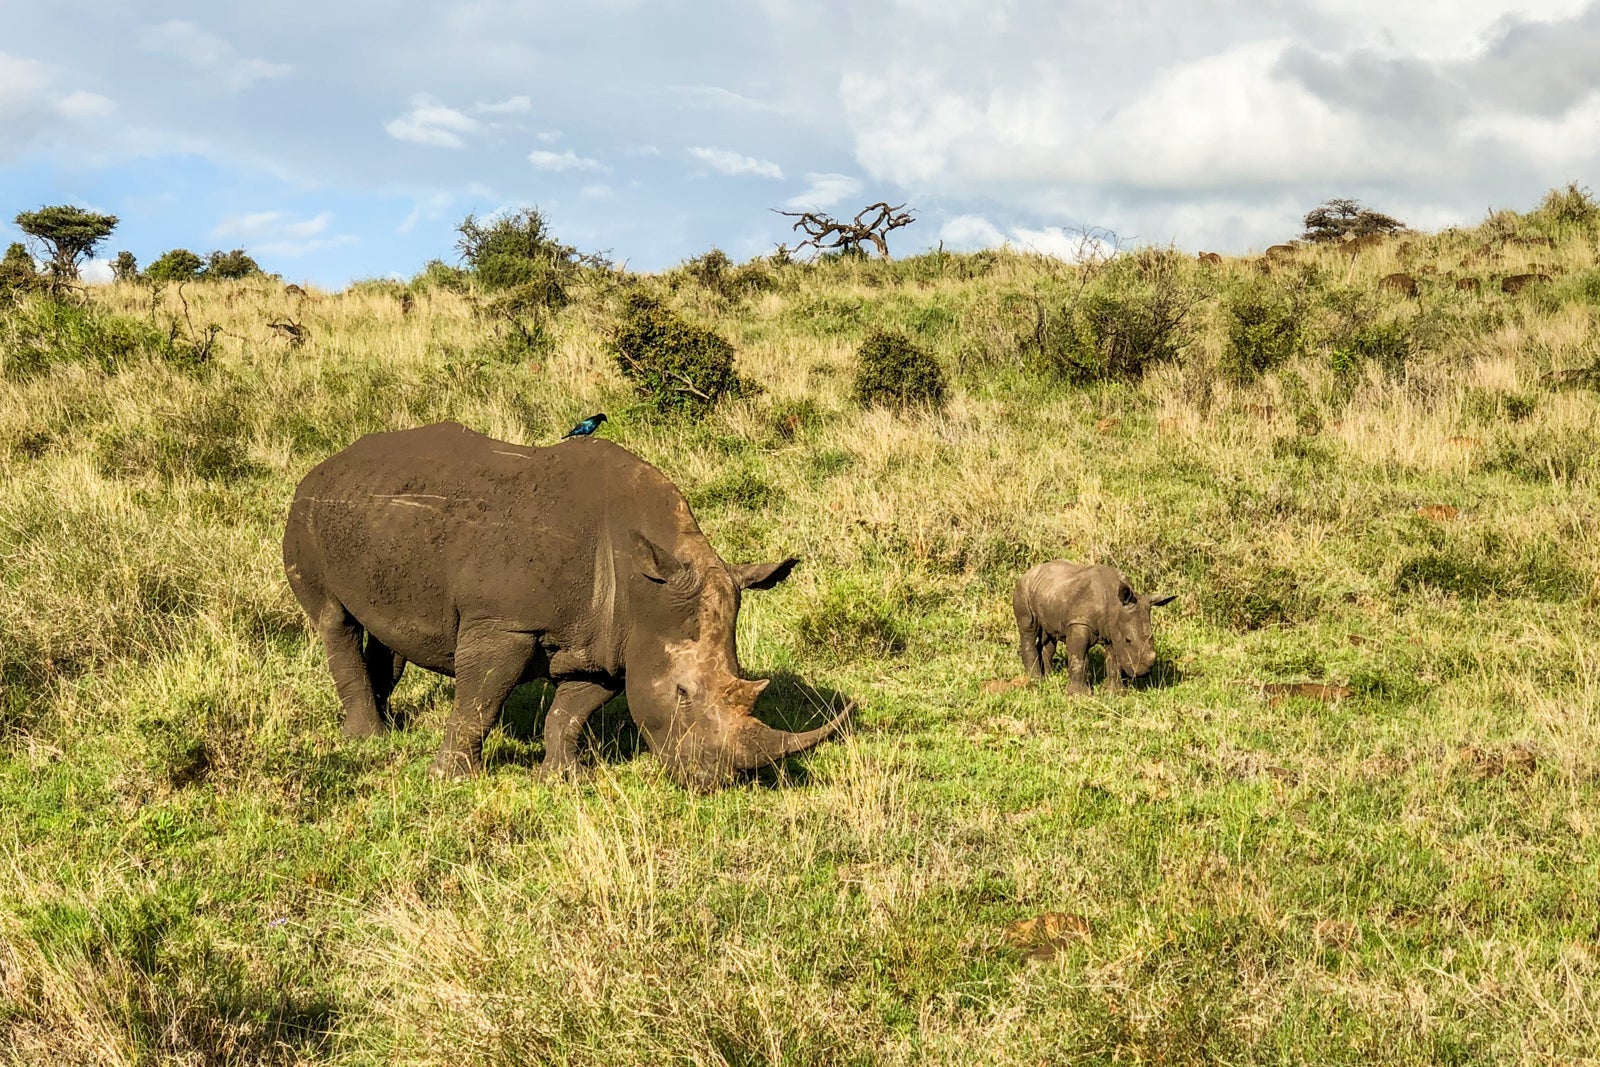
[755, 744]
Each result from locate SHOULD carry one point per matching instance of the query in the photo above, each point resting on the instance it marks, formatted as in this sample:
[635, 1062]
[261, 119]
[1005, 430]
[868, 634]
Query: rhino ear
[762, 575]
[1158, 601]
[1126, 594]
[655, 562]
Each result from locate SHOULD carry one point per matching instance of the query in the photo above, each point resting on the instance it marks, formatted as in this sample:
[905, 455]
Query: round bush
[673, 363]
[895, 372]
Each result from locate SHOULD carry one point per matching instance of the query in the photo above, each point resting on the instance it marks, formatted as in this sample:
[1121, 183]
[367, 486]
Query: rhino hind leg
[1030, 643]
[384, 668]
[569, 712]
[489, 665]
[341, 636]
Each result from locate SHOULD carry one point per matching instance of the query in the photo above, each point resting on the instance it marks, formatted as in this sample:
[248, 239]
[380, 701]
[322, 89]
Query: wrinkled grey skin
[498, 564]
[1080, 607]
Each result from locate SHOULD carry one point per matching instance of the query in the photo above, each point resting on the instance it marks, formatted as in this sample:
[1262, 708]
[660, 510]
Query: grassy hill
[1393, 496]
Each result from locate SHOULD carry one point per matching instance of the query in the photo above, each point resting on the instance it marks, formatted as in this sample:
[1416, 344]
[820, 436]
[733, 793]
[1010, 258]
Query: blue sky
[337, 141]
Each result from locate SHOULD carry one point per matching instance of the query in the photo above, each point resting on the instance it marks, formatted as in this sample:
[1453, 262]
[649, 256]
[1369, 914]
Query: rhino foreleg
[569, 712]
[489, 665]
[1077, 648]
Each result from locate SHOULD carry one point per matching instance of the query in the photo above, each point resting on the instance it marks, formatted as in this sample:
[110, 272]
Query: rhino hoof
[567, 773]
[452, 765]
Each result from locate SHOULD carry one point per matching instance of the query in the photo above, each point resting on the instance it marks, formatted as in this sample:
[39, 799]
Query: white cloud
[36, 108]
[207, 52]
[430, 122]
[823, 191]
[1439, 29]
[96, 272]
[275, 233]
[714, 96]
[1253, 126]
[733, 164]
[515, 105]
[83, 105]
[965, 233]
[968, 233]
[561, 161]
[1567, 143]
[432, 206]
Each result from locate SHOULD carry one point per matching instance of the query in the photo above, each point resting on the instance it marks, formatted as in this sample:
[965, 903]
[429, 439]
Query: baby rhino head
[1130, 641]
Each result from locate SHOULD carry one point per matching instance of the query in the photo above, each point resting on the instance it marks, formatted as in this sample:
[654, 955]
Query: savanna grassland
[1392, 496]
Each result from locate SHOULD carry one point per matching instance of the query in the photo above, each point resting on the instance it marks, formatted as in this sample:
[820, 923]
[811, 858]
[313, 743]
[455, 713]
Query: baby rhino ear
[1126, 595]
[1157, 601]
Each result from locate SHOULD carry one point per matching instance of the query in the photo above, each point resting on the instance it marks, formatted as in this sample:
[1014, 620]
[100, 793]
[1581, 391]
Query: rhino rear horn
[1158, 601]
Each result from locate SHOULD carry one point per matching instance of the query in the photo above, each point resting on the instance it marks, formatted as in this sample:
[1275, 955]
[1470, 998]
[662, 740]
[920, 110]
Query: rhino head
[685, 689]
[1129, 641]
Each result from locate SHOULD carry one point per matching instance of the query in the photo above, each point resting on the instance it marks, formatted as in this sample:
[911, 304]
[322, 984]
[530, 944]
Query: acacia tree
[849, 237]
[1339, 218]
[69, 235]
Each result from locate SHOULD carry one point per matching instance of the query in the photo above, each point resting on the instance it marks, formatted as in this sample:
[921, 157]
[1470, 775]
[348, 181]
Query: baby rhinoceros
[1083, 606]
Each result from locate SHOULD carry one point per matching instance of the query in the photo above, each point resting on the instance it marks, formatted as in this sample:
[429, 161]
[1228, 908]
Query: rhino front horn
[758, 745]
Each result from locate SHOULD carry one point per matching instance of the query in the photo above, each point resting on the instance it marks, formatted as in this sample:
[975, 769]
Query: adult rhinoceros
[499, 564]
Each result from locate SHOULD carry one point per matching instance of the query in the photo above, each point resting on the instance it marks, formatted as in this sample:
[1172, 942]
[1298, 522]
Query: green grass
[195, 867]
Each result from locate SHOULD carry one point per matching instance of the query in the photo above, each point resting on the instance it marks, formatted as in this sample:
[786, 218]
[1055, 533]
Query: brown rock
[1401, 283]
[1438, 512]
[1515, 283]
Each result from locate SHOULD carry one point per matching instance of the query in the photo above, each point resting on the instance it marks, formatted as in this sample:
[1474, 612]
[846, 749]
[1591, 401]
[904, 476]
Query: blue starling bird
[586, 427]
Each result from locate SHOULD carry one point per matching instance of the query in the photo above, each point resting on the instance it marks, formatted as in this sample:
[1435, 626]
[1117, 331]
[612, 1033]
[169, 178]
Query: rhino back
[1062, 594]
[417, 532]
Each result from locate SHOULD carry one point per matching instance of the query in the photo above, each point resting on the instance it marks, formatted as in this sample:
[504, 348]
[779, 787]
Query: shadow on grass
[1164, 675]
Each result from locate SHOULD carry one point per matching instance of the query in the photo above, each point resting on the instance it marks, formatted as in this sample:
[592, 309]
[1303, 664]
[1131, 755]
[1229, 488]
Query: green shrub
[125, 268]
[710, 271]
[1264, 332]
[716, 274]
[1132, 314]
[17, 272]
[229, 266]
[1388, 344]
[178, 265]
[735, 487]
[672, 363]
[1487, 568]
[40, 333]
[1492, 405]
[517, 252]
[1573, 206]
[893, 371]
[850, 621]
[437, 274]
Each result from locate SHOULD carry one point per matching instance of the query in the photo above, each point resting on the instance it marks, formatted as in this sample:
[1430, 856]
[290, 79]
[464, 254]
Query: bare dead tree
[824, 232]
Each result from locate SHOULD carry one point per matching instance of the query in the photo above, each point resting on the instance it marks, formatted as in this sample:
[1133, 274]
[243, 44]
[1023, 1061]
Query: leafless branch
[826, 232]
